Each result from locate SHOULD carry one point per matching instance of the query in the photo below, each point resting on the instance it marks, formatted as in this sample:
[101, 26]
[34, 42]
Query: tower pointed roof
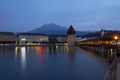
[71, 30]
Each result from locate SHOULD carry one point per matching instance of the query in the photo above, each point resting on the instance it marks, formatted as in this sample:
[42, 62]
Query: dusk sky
[25, 15]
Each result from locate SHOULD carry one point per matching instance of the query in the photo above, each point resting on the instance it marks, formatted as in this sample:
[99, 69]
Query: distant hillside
[55, 29]
[93, 34]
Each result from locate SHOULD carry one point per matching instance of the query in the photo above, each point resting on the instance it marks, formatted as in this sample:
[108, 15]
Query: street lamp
[116, 38]
[102, 34]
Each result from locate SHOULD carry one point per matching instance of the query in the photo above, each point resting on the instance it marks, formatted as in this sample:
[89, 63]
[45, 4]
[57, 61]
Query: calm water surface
[50, 63]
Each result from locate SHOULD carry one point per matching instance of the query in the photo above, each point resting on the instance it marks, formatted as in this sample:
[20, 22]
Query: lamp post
[102, 35]
[115, 55]
[116, 38]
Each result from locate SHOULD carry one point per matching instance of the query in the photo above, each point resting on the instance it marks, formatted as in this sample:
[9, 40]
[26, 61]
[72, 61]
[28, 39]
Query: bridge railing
[111, 73]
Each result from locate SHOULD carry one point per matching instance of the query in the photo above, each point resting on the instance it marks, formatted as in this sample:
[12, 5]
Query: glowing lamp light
[23, 39]
[115, 37]
[41, 39]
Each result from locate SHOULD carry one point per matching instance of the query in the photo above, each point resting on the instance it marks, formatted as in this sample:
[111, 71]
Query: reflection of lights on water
[37, 49]
[23, 57]
[41, 53]
[56, 46]
[52, 49]
[23, 54]
[66, 48]
[57, 49]
[47, 50]
[16, 51]
[111, 51]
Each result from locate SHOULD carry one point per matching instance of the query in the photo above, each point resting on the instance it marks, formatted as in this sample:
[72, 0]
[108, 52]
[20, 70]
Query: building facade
[57, 38]
[31, 38]
[7, 38]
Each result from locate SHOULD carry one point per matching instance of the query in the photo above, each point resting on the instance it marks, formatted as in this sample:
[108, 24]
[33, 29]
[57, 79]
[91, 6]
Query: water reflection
[52, 50]
[94, 55]
[16, 52]
[57, 50]
[73, 62]
[41, 53]
[71, 51]
[111, 51]
[23, 57]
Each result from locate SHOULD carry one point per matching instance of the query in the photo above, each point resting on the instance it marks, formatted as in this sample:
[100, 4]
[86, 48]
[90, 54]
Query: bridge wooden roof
[98, 39]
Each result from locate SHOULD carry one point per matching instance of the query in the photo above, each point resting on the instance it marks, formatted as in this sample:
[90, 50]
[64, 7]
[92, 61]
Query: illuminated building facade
[7, 38]
[103, 37]
[31, 38]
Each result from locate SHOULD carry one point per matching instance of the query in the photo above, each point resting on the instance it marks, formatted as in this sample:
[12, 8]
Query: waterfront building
[57, 38]
[7, 38]
[71, 36]
[31, 38]
[109, 36]
[104, 37]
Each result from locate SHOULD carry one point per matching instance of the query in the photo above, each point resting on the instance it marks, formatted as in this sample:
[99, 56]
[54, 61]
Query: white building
[31, 38]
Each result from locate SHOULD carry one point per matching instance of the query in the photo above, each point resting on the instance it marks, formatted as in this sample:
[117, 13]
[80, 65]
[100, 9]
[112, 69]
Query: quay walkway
[118, 70]
[113, 72]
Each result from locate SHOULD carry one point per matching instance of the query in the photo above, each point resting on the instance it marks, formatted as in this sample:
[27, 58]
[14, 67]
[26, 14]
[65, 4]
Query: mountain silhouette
[55, 29]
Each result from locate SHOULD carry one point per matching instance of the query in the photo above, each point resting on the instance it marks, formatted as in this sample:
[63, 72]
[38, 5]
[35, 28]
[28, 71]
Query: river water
[50, 63]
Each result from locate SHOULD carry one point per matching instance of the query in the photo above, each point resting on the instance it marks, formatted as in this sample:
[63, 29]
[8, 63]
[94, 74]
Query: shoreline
[33, 45]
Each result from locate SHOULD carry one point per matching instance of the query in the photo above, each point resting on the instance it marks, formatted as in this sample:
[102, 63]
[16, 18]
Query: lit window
[23, 39]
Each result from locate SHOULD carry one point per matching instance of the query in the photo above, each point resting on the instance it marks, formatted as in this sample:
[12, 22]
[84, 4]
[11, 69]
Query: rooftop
[71, 30]
[36, 34]
[6, 33]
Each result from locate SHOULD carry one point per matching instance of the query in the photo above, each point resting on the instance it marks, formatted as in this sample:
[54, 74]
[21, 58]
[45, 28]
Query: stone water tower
[71, 36]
